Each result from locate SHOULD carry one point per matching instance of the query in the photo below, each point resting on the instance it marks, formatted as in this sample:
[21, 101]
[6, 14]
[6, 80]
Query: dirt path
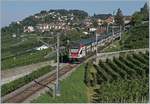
[14, 73]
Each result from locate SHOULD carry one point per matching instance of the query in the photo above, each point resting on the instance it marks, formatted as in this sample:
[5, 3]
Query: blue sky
[13, 10]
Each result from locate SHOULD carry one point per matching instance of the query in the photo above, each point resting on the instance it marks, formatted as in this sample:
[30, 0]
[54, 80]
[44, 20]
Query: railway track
[21, 96]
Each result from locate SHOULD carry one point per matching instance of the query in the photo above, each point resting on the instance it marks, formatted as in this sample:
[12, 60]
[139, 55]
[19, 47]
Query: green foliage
[95, 24]
[137, 18]
[30, 21]
[79, 13]
[90, 75]
[137, 37]
[25, 59]
[137, 62]
[138, 34]
[142, 15]
[74, 35]
[102, 16]
[119, 19]
[11, 86]
[123, 91]
[123, 79]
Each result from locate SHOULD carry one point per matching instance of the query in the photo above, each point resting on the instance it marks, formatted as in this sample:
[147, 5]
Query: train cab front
[73, 56]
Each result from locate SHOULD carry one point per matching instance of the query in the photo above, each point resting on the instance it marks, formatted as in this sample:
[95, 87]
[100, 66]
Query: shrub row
[124, 67]
[11, 86]
[117, 69]
[109, 70]
[25, 59]
[137, 62]
[132, 84]
[131, 65]
[140, 58]
[123, 91]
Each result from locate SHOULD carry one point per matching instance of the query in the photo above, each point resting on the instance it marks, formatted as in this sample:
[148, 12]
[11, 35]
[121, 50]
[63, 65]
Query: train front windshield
[74, 50]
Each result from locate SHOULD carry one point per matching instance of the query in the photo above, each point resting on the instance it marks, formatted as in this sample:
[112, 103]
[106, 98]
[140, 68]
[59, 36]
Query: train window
[74, 50]
[81, 52]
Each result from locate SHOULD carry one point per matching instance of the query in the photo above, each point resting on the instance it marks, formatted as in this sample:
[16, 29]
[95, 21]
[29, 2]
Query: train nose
[74, 55]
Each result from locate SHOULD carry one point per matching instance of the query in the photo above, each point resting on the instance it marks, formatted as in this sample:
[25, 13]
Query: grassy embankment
[73, 90]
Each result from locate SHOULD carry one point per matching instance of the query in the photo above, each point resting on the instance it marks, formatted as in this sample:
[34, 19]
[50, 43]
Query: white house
[85, 32]
[29, 29]
[41, 47]
[92, 29]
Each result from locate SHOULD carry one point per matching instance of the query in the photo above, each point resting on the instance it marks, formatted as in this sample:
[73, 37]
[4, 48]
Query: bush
[11, 86]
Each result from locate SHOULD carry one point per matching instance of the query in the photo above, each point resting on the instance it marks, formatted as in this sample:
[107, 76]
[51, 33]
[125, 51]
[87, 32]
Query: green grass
[73, 90]
[115, 46]
[12, 46]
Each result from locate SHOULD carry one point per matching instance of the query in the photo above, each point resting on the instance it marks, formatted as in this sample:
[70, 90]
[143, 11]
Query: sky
[16, 10]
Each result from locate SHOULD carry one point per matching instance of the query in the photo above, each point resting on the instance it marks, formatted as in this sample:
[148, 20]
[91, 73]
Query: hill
[137, 37]
[138, 34]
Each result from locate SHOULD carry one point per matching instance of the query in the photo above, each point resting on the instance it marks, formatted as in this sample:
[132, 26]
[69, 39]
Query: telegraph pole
[96, 39]
[57, 70]
[120, 31]
[113, 24]
[96, 43]
[107, 28]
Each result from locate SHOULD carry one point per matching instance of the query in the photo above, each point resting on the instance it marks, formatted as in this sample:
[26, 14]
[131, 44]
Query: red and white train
[81, 49]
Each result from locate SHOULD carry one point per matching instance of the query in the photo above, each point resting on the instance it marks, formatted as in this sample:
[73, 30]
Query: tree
[95, 24]
[145, 8]
[145, 12]
[119, 19]
[136, 18]
[43, 12]
[141, 15]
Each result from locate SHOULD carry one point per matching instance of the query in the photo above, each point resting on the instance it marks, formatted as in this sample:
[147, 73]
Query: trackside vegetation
[11, 86]
[117, 80]
[73, 90]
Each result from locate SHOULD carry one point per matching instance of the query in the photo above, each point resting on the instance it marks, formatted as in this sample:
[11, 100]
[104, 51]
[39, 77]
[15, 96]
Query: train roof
[88, 41]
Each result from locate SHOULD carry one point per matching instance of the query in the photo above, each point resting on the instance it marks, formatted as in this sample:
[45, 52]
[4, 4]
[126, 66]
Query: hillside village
[54, 20]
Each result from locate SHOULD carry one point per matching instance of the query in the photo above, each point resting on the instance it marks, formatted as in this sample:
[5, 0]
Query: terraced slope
[123, 79]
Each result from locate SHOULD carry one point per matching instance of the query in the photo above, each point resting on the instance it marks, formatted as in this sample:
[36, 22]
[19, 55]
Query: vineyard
[25, 59]
[124, 79]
